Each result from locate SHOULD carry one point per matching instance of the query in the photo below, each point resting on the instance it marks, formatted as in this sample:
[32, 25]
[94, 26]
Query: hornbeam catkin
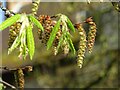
[35, 6]
[13, 33]
[82, 45]
[48, 24]
[19, 78]
[91, 34]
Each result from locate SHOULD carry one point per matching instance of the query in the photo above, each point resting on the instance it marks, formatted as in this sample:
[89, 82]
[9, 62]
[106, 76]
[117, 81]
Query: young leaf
[36, 22]
[30, 41]
[24, 49]
[9, 21]
[70, 25]
[60, 42]
[70, 43]
[53, 34]
[14, 45]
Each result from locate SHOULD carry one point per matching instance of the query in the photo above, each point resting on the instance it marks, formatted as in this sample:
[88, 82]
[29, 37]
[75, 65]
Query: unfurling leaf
[70, 25]
[30, 41]
[53, 34]
[36, 22]
[14, 45]
[9, 21]
[71, 46]
[60, 42]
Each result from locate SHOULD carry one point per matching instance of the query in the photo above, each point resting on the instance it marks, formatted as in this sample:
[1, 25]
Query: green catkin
[82, 44]
[13, 33]
[91, 34]
[35, 6]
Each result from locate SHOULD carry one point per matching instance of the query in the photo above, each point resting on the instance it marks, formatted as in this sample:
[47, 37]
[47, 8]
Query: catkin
[19, 78]
[35, 6]
[13, 33]
[91, 34]
[48, 24]
[82, 44]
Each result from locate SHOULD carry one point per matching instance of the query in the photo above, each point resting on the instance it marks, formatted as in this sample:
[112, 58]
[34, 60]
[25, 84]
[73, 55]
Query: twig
[26, 68]
[7, 84]
[8, 13]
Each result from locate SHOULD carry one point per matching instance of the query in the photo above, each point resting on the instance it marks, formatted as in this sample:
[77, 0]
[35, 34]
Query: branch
[7, 84]
[8, 13]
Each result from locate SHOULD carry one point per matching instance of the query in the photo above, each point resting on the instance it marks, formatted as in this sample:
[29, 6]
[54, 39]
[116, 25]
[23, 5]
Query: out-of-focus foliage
[100, 68]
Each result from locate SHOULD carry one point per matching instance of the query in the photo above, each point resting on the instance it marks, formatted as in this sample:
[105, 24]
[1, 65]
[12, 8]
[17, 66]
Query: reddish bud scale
[91, 34]
[82, 44]
[13, 33]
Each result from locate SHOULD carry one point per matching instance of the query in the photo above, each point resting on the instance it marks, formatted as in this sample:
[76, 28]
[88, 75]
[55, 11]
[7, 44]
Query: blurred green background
[100, 68]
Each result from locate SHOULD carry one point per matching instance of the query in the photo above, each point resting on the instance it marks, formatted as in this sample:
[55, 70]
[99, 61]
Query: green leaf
[70, 25]
[53, 34]
[24, 49]
[70, 43]
[30, 41]
[36, 22]
[60, 42]
[9, 21]
[14, 45]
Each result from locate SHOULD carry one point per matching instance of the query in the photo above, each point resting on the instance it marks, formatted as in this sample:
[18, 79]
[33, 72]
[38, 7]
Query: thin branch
[8, 13]
[7, 84]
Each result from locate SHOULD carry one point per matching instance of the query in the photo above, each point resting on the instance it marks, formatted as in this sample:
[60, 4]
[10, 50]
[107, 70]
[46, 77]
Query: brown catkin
[13, 33]
[91, 34]
[19, 78]
[82, 44]
[48, 24]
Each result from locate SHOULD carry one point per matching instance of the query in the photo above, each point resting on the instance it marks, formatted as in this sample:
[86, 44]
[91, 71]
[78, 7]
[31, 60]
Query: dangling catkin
[82, 44]
[35, 6]
[91, 34]
[13, 33]
[48, 24]
[19, 78]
